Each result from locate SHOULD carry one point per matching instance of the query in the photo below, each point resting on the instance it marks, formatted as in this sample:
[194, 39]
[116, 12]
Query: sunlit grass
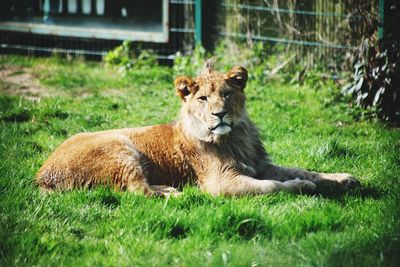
[300, 126]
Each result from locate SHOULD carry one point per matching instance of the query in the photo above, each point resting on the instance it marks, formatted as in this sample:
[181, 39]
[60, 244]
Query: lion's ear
[184, 86]
[237, 77]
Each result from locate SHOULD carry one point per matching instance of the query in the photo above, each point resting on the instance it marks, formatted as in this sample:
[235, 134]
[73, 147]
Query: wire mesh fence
[321, 30]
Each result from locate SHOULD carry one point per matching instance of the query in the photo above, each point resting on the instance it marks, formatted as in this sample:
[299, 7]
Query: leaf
[375, 72]
[358, 65]
[377, 95]
[359, 84]
[358, 99]
[358, 74]
[348, 89]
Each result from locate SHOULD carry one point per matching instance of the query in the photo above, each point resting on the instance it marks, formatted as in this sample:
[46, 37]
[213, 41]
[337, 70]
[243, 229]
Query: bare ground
[20, 81]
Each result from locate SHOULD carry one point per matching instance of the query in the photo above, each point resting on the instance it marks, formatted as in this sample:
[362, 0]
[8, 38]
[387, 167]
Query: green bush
[376, 71]
[125, 58]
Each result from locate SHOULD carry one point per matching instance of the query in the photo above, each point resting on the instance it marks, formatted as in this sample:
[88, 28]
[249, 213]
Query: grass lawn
[301, 126]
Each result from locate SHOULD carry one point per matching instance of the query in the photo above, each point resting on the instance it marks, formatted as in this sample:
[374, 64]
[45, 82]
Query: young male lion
[213, 143]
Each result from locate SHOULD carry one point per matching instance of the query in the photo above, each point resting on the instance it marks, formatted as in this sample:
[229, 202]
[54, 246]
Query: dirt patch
[20, 81]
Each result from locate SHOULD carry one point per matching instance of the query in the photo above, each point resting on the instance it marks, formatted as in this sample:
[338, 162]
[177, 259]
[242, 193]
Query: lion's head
[213, 103]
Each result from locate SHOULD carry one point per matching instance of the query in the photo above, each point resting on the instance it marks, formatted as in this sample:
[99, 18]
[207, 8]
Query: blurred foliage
[264, 62]
[190, 64]
[125, 58]
[375, 85]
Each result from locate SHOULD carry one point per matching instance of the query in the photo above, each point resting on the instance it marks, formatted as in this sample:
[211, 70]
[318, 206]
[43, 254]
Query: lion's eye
[227, 94]
[202, 98]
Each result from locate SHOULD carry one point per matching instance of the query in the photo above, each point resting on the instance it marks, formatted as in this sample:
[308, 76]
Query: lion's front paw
[346, 181]
[300, 186]
[342, 181]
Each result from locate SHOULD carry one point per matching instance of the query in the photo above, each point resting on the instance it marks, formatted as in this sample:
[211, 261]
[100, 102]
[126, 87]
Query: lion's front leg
[237, 185]
[324, 181]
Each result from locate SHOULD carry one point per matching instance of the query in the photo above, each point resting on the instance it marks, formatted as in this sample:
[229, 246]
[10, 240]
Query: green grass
[300, 126]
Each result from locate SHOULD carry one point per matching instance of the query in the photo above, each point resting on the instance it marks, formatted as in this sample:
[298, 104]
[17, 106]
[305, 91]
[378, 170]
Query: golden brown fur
[213, 144]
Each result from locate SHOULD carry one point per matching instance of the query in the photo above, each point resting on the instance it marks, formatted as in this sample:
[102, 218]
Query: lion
[213, 144]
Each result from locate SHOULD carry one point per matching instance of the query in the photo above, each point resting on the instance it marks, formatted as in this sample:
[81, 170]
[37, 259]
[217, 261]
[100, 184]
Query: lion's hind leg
[133, 175]
[88, 160]
[127, 169]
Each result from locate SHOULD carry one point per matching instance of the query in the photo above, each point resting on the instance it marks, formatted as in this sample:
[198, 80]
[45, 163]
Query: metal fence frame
[192, 32]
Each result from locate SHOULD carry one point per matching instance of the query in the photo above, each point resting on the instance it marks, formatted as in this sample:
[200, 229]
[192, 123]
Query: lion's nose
[219, 114]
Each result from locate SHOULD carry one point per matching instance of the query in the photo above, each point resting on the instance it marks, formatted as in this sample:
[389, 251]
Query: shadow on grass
[241, 225]
[168, 228]
[361, 191]
[106, 197]
[22, 116]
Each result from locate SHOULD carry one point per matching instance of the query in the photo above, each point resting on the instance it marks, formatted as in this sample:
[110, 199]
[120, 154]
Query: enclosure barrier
[330, 26]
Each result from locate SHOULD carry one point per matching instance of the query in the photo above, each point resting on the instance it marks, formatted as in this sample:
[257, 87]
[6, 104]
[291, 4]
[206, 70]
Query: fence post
[381, 16]
[197, 35]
